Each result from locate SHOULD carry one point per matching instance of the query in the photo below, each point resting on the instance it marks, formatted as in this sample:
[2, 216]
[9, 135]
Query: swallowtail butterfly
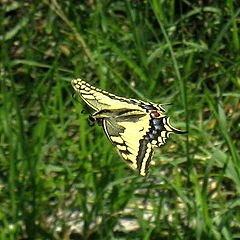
[133, 126]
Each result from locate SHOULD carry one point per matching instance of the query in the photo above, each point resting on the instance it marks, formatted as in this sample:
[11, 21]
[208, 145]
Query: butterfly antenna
[167, 104]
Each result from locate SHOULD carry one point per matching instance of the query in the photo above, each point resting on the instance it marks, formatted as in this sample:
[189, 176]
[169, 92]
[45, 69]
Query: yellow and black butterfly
[133, 126]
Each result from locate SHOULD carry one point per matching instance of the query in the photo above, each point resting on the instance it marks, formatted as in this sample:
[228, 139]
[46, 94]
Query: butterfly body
[134, 127]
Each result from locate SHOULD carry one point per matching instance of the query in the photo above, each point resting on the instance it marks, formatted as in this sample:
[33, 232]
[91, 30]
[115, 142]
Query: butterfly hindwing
[134, 127]
[127, 133]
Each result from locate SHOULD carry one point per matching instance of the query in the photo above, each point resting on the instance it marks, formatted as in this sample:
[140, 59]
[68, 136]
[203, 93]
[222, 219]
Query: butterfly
[133, 126]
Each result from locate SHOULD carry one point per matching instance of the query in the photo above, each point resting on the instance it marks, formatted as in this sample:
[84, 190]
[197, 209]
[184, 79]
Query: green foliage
[60, 178]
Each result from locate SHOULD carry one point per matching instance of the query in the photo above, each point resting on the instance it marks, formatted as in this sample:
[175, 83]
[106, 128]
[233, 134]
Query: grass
[60, 178]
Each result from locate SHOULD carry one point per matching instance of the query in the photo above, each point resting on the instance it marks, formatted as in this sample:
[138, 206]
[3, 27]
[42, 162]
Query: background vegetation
[60, 178]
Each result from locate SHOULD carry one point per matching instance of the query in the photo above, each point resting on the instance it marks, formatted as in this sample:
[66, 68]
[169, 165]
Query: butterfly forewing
[99, 99]
[134, 127]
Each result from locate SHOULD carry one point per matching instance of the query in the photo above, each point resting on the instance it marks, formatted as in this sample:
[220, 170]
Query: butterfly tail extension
[171, 128]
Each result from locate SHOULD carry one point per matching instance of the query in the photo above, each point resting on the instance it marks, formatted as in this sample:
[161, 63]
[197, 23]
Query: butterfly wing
[128, 136]
[135, 134]
[99, 99]
[134, 127]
